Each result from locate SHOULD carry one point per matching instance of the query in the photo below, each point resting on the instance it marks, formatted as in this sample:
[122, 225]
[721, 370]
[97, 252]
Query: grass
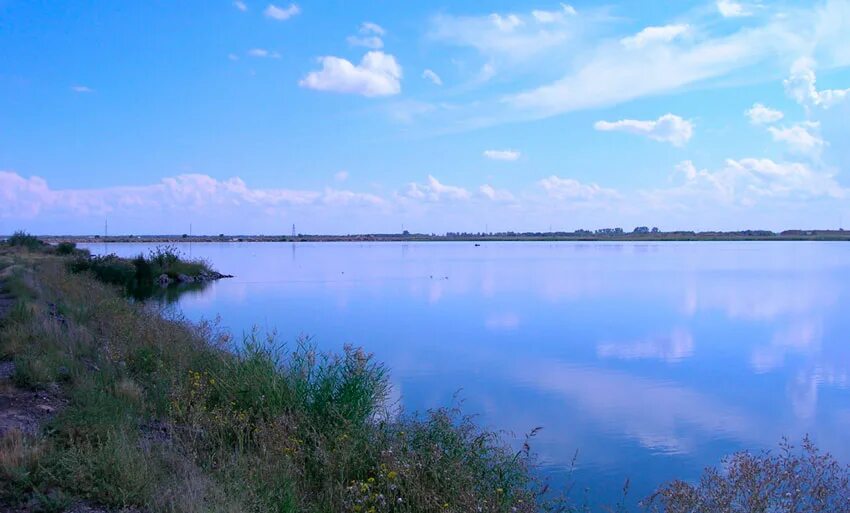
[164, 415]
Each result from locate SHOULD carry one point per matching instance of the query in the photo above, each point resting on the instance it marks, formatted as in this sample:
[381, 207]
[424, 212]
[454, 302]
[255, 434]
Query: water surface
[652, 360]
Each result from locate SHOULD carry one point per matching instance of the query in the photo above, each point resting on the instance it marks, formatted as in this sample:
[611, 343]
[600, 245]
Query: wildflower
[393, 474]
[371, 480]
[499, 490]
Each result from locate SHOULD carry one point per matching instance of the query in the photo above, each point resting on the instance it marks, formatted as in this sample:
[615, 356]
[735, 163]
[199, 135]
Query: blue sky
[345, 117]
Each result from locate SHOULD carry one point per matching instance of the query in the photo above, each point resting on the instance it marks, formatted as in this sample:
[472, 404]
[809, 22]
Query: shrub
[164, 257]
[111, 269]
[23, 239]
[144, 271]
[66, 248]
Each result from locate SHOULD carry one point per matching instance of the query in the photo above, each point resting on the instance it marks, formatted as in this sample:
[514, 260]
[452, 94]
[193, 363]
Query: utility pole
[293, 230]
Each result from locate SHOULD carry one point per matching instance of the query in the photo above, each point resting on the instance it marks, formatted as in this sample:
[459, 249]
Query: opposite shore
[640, 234]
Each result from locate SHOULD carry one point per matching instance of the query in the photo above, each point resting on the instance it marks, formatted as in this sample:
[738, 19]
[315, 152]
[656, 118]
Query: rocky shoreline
[164, 280]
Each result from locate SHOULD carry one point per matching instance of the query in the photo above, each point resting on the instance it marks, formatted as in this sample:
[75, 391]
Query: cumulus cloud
[433, 190]
[281, 13]
[732, 9]
[668, 128]
[432, 76]
[653, 35]
[569, 188]
[493, 194]
[378, 74]
[81, 89]
[501, 154]
[369, 36]
[800, 138]
[801, 86]
[761, 115]
[29, 197]
[747, 181]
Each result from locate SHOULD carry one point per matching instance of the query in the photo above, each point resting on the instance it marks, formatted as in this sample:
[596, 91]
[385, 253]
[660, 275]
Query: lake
[648, 360]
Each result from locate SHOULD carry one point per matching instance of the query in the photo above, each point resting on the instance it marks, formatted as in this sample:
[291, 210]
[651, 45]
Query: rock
[185, 278]
[163, 280]
[46, 408]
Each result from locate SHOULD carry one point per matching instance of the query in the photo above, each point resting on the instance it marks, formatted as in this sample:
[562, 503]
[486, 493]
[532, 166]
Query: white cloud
[731, 9]
[499, 36]
[569, 188]
[240, 5]
[341, 176]
[501, 154]
[493, 194]
[435, 191]
[668, 128]
[761, 115]
[281, 13]
[554, 16]
[372, 28]
[25, 198]
[505, 23]
[346, 198]
[370, 36]
[233, 57]
[746, 182]
[81, 89]
[262, 53]
[378, 74]
[432, 76]
[799, 138]
[653, 35]
[802, 87]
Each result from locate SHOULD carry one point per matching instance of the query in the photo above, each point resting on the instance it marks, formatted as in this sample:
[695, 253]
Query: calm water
[650, 360]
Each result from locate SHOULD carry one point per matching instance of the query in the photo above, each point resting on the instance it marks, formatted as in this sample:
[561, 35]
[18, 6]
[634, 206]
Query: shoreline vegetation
[108, 404]
[638, 234]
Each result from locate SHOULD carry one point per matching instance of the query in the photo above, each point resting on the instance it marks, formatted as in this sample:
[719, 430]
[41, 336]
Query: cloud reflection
[672, 348]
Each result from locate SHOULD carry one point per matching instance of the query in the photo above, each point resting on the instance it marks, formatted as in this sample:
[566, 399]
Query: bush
[144, 271]
[66, 248]
[25, 240]
[164, 257]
